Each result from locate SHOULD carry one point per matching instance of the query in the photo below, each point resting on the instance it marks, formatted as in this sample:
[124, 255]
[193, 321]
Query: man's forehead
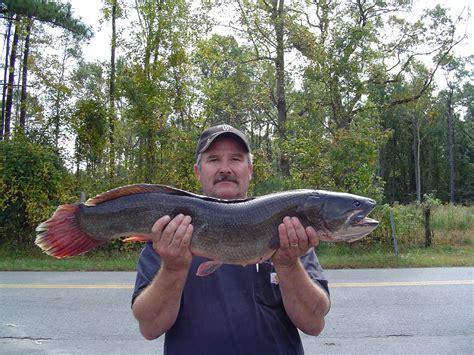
[230, 144]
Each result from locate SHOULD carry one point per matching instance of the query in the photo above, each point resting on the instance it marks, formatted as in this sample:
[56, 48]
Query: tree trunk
[5, 74]
[58, 101]
[11, 79]
[24, 80]
[112, 95]
[452, 177]
[416, 152]
[279, 22]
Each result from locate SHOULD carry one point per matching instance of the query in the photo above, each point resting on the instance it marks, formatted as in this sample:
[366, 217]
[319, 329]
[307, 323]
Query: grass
[330, 257]
[93, 263]
[413, 257]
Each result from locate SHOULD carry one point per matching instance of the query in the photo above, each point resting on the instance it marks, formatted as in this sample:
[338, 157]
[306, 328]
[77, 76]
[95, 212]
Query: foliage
[90, 123]
[53, 12]
[32, 182]
[332, 95]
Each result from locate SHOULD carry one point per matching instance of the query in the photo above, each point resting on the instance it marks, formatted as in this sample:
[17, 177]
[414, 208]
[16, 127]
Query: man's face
[225, 170]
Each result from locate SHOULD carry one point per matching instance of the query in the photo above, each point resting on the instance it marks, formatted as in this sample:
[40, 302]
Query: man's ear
[197, 173]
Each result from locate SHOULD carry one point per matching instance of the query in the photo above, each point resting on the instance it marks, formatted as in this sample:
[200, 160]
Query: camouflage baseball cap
[209, 135]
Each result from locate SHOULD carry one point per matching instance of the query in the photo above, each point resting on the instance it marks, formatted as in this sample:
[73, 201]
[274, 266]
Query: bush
[33, 182]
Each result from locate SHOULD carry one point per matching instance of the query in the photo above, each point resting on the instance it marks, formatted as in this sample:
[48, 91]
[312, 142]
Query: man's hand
[171, 239]
[305, 303]
[295, 241]
[157, 307]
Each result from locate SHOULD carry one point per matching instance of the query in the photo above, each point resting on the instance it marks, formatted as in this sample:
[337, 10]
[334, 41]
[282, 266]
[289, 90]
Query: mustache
[224, 177]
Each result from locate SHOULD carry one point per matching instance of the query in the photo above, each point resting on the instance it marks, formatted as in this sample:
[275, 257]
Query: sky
[98, 46]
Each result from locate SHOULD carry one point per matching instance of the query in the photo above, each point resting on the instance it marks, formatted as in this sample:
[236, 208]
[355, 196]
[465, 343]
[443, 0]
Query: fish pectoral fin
[208, 267]
[136, 238]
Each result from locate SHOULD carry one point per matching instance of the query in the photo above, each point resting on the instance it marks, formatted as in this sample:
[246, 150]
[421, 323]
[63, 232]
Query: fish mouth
[359, 216]
[367, 222]
[357, 230]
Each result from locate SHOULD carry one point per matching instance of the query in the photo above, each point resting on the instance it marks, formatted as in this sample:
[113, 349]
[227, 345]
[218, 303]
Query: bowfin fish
[225, 231]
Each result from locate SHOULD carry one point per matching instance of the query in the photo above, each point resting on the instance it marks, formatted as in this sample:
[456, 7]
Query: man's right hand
[157, 307]
[171, 240]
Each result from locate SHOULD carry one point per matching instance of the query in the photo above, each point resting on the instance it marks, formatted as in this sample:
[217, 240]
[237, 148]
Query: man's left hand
[295, 241]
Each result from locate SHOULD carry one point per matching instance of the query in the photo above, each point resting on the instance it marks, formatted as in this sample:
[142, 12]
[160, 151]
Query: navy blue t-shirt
[235, 310]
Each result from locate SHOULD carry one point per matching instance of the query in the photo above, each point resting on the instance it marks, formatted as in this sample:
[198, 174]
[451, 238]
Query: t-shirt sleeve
[147, 267]
[315, 271]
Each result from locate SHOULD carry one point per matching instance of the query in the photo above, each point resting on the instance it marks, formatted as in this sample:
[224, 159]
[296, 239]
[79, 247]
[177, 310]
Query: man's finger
[186, 241]
[181, 230]
[300, 233]
[158, 227]
[284, 242]
[291, 232]
[170, 229]
[313, 236]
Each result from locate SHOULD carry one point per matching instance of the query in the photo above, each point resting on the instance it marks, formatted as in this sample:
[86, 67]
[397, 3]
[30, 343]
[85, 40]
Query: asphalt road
[374, 311]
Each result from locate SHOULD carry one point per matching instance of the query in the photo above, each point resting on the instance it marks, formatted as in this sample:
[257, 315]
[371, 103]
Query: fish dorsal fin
[145, 188]
[137, 189]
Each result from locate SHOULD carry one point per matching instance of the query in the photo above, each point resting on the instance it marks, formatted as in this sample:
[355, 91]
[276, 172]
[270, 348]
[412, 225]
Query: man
[236, 310]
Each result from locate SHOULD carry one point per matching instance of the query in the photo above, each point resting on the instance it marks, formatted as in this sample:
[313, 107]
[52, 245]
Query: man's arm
[305, 303]
[157, 307]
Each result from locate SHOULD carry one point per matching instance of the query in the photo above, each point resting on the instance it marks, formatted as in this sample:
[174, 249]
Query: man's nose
[224, 167]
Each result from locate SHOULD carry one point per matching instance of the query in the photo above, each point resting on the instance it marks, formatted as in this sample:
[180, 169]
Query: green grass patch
[413, 257]
[113, 261]
[330, 256]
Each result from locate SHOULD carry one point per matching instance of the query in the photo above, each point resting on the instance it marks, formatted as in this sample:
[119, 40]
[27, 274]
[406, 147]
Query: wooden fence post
[394, 234]
[428, 233]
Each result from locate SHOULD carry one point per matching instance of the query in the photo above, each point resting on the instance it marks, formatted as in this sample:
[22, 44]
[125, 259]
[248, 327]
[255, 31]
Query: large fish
[225, 231]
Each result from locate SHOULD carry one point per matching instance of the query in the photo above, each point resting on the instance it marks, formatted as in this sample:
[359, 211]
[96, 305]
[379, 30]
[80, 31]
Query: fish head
[339, 216]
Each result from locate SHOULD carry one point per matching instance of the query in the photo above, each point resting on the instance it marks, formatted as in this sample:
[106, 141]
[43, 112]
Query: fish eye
[357, 203]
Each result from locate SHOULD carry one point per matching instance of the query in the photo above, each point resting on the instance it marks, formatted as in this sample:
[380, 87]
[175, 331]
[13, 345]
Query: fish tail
[61, 235]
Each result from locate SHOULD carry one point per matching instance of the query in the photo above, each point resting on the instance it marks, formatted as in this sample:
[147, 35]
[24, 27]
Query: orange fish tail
[61, 236]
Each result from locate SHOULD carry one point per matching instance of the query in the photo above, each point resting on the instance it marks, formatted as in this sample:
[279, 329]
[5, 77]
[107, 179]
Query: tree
[264, 25]
[26, 52]
[24, 12]
[150, 78]
[456, 105]
[5, 74]
[90, 125]
[112, 11]
[455, 71]
[228, 82]
[11, 81]
[52, 12]
[51, 75]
